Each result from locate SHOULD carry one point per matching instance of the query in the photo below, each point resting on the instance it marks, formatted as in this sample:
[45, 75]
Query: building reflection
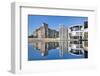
[64, 47]
[44, 47]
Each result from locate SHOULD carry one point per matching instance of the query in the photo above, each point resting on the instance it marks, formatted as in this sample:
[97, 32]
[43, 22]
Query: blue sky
[35, 21]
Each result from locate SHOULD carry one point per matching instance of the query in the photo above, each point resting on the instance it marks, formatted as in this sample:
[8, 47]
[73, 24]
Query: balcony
[76, 33]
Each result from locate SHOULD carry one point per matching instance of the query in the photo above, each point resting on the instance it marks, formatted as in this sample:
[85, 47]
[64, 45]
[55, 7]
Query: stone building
[45, 32]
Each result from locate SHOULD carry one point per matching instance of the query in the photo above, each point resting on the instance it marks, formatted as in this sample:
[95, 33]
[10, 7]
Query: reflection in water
[64, 49]
[44, 47]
